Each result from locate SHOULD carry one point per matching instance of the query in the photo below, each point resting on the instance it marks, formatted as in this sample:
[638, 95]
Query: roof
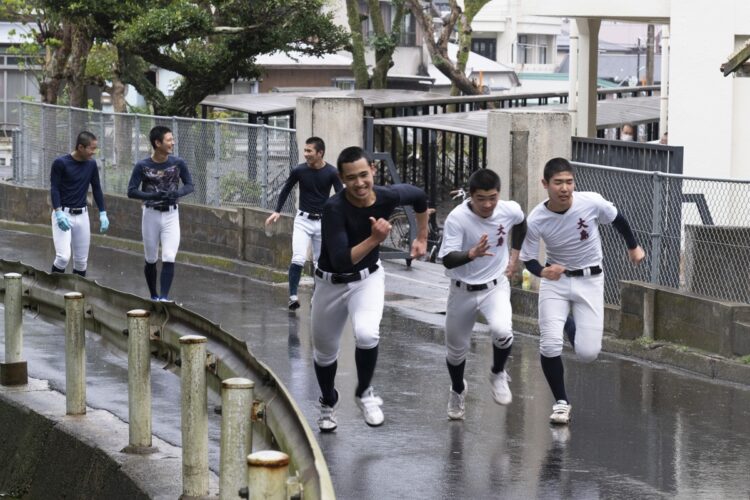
[295, 60]
[619, 67]
[610, 113]
[475, 64]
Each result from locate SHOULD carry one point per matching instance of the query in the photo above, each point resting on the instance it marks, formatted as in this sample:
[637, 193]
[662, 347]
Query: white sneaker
[293, 303]
[560, 413]
[327, 419]
[370, 405]
[456, 403]
[500, 390]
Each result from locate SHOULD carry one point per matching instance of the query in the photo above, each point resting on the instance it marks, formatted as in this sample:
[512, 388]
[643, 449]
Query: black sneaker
[293, 303]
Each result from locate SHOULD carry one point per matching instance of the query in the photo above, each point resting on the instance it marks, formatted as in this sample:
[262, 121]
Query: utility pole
[650, 55]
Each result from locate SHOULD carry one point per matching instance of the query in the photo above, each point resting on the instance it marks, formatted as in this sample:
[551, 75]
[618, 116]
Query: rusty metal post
[236, 410]
[14, 370]
[194, 416]
[267, 473]
[75, 355]
[139, 383]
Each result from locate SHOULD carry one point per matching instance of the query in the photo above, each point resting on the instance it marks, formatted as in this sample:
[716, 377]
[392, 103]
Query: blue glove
[62, 220]
[103, 222]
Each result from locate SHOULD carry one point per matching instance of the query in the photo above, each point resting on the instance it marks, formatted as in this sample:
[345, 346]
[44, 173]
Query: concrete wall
[220, 232]
[691, 320]
[337, 120]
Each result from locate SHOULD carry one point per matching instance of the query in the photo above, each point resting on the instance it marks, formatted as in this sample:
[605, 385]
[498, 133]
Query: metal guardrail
[278, 420]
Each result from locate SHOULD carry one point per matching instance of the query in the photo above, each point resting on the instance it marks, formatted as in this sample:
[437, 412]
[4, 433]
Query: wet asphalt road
[638, 431]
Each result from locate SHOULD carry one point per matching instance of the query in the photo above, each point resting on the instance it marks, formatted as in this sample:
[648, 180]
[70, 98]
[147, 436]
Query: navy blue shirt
[150, 181]
[315, 187]
[70, 180]
[345, 226]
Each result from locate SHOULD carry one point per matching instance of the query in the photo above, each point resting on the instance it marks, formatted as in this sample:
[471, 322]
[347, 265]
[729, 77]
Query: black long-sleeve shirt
[70, 180]
[344, 226]
[315, 187]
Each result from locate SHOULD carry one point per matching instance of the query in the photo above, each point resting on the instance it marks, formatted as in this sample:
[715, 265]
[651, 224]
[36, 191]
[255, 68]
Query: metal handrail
[282, 424]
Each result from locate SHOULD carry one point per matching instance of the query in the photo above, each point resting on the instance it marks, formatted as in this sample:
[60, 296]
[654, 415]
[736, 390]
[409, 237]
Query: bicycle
[399, 238]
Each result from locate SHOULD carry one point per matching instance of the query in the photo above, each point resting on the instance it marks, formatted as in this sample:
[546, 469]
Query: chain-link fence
[232, 164]
[695, 231]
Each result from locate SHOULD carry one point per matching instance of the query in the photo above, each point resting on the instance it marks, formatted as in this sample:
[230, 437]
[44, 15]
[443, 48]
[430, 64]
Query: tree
[438, 47]
[383, 42]
[208, 42]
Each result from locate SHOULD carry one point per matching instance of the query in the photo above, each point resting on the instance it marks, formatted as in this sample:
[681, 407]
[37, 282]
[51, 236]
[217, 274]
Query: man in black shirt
[349, 280]
[315, 177]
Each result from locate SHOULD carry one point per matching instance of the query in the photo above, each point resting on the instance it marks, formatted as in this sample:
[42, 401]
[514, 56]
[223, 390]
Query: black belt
[310, 216]
[341, 278]
[587, 271]
[163, 208]
[476, 288]
[75, 211]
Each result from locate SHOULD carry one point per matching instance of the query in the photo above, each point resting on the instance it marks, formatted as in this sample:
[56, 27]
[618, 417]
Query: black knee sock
[57, 269]
[457, 376]
[555, 375]
[295, 272]
[79, 273]
[499, 357]
[167, 273]
[150, 271]
[365, 359]
[326, 376]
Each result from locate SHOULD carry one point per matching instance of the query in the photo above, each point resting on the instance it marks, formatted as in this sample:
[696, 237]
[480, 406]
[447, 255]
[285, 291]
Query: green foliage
[745, 359]
[237, 188]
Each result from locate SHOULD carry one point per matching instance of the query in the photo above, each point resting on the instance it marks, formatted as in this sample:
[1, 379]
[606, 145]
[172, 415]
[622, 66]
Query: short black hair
[350, 155]
[157, 134]
[484, 178]
[317, 143]
[84, 139]
[555, 166]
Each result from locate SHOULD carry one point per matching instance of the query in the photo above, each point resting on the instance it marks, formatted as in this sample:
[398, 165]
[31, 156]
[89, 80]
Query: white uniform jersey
[572, 238]
[463, 229]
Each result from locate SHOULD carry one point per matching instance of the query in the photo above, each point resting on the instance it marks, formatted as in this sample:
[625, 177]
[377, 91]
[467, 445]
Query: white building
[705, 112]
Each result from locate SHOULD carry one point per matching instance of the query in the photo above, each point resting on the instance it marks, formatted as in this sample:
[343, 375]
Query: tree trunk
[76, 68]
[359, 66]
[387, 41]
[55, 61]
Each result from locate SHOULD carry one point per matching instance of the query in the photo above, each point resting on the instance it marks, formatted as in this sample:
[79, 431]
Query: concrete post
[194, 416]
[664, 89]
[573, 78]
[267, 473]
[588, 64]
[339, 121]
[14, 370]
[139, 383]
[75, 355]
[236, 435]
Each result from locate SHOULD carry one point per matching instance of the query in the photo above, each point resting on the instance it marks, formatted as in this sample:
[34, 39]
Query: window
[524, 50]
[486, 47]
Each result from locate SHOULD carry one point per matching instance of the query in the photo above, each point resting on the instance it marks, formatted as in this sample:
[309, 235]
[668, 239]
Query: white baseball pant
[461, 315]
[585, 294]
[160, 227]
[78, 237]
[306, 231]
[362, 301]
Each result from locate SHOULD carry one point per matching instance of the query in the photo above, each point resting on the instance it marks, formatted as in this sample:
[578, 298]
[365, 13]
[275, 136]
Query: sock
[499, 357]
[150, 271]
[167, 273]
[570, 330]
[365, 359]
[457, 376]
[79, 273]
[295, 272]
[326, 376]
[555, 375]
[57, 269]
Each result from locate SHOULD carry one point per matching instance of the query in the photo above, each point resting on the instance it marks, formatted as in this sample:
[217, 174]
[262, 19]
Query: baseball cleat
[560, 413]
[370, 405]
[456, 403]
[500, 390]
[293, 303]
[327, 419]
[165, 299]
[155, 298]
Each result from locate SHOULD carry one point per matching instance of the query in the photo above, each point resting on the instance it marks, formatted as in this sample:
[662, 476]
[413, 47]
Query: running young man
[475, 253]
[349, 281]
[70, 178]
[156, 181]
[568, 223]
[315, 177]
